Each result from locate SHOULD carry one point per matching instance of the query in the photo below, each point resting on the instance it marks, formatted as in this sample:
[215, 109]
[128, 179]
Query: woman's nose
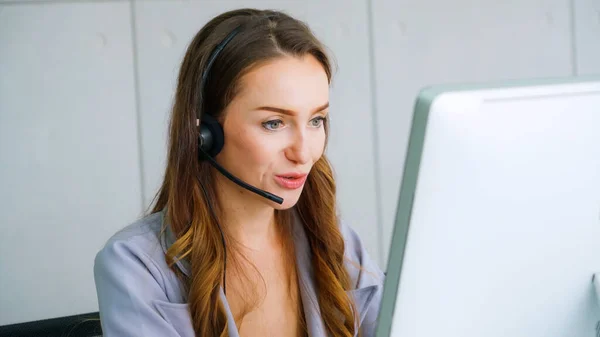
[299, 150]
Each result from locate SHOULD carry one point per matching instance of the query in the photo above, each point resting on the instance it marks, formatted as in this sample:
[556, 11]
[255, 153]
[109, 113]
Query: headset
[211, 139]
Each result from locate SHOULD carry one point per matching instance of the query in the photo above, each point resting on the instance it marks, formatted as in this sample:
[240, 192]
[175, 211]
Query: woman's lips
[291, 181]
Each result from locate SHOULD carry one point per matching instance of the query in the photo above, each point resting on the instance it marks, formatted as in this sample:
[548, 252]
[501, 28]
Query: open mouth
[291, 181]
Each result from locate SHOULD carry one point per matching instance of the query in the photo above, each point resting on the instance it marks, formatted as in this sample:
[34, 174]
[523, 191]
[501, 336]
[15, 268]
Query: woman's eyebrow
[291, 112]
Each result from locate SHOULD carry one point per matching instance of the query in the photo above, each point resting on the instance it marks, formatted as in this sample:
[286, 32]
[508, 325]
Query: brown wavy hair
[266, 35]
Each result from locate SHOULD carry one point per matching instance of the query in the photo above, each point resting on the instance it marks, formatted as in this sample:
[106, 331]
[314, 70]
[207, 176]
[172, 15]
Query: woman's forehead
[291, 83]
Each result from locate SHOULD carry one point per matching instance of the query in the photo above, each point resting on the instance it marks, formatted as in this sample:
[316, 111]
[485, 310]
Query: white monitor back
[498, 224]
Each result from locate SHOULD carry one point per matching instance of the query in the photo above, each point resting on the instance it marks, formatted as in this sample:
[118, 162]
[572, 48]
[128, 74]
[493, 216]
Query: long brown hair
[266, 35]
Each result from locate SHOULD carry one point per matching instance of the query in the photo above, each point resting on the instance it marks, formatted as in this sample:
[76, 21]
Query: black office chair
[84, 325]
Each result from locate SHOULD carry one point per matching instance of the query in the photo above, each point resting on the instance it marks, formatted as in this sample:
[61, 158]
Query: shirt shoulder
[139, 249]
[363, 269]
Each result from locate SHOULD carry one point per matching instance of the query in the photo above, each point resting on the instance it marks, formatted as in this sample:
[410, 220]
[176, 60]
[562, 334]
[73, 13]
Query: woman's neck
[245, 217]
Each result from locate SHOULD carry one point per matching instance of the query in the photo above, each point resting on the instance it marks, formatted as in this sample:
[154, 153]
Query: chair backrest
[84, 325]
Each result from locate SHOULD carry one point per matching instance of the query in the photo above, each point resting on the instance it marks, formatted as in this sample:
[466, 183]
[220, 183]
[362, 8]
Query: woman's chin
[290, 199]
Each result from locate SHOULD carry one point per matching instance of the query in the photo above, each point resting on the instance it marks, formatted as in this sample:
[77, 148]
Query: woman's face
[274, 127]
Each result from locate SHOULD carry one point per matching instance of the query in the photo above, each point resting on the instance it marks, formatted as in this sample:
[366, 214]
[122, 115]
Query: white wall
[85, 89]
[70, 172]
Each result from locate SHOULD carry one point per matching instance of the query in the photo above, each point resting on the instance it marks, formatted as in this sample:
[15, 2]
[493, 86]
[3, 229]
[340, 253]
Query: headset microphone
[241, 183]
[211, 137]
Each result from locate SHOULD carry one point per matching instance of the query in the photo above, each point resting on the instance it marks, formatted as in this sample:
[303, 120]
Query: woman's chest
[268, 299]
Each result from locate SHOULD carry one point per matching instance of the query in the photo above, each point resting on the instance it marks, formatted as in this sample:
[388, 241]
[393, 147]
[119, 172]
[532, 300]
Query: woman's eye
[272, 125]
[317, 122]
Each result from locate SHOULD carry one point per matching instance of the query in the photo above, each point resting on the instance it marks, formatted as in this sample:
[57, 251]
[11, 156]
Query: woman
[215, 258]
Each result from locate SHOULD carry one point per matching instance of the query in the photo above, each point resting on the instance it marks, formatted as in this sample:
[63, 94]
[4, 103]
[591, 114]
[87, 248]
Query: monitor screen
[497, 230]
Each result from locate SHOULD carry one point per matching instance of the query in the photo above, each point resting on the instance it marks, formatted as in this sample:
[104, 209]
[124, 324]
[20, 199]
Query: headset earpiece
[210, 137]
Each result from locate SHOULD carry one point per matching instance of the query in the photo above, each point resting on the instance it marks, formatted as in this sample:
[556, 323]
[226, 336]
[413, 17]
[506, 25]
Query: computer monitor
[497, 231]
